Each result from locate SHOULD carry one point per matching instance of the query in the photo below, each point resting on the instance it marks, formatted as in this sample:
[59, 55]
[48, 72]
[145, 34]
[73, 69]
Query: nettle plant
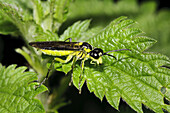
[136, 76]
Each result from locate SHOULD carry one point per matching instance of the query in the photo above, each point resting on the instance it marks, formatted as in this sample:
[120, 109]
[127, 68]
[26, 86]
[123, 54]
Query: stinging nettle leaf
[5, 30]
[137, 76]
[13, 12]
[61, 9]
[38, 11]
[17, 90]
[76, 30]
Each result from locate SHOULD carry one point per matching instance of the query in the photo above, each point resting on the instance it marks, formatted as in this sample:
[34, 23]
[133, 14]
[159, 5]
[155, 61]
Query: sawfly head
[97, 53]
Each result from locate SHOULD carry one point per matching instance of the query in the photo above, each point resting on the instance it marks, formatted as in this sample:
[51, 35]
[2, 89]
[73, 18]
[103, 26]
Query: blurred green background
[152, 16]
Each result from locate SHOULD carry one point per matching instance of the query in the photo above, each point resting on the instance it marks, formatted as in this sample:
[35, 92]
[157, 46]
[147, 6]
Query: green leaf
[9, 13]
[5, 29]
[17, 90]
[137, 77]
[67, 67]
[35, 61]
[47, 23]
[76, 30]
[62, 67]
[45, 36]
[61, 9]
[38, 11]
[17, 16]
[13, 12]
[24, 4]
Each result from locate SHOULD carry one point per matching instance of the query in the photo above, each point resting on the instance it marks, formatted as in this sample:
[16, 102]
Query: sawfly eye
[95, 54]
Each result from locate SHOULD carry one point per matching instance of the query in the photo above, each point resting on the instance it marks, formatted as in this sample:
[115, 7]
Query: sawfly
[79, 50]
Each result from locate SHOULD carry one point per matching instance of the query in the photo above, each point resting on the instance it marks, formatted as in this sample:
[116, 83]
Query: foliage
[138, 77]
[17, 90]
[34, 21]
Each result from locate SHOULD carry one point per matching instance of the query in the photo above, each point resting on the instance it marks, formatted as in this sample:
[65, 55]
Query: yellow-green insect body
[79, 54]
[66, 52]
[57, 52]
[80, 50]
[69, 49]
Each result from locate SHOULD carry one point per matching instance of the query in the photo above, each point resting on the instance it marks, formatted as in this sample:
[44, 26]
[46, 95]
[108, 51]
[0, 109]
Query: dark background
[80, 103]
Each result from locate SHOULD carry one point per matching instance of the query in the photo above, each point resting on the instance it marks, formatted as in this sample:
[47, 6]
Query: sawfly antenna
[114, 51]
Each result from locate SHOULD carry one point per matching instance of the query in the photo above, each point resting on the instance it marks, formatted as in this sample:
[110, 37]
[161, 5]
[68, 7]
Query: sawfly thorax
[86, 46]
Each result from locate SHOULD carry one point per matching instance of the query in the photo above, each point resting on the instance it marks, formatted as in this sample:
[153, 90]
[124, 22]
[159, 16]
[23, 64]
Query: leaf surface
[137, 77]
[17, 90]
[76, 31]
